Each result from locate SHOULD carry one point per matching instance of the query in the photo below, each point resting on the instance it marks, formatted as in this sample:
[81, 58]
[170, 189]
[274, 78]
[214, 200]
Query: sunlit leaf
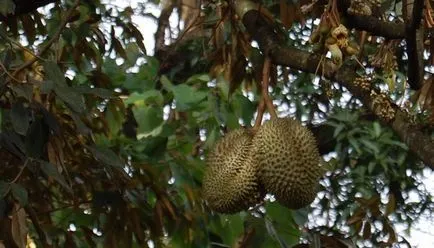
[187, 97]
[149, 118]
[150, 96]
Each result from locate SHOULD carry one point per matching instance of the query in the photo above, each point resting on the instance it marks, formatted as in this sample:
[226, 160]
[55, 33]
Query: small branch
[163, 23]
[48, 44]
[20, 172]
[265, 84]
[39, 230]
[3, 67]
[261, 109]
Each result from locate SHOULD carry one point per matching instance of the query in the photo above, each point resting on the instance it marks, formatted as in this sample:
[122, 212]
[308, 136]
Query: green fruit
[288, 161]
[230, 183]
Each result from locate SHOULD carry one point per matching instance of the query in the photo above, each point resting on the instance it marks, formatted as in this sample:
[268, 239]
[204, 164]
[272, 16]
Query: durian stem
[265, 83]
[258, 121]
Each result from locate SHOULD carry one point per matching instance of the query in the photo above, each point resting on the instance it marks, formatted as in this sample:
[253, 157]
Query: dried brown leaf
[426, 95]
[19, 226]
[354, 219]
[391, 205]
[367, 230]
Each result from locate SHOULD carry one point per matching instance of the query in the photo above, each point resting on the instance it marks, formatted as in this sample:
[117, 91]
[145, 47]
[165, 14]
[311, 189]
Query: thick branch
[372, 24]
[376, 26]
[377, 102]
[26, 6]
[415, 40]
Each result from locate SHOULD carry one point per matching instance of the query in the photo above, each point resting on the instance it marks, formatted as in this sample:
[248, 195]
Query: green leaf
[301, 216]
[51, 171]
[273, 233]
[54, 73]
[234, 224]
[243, 108]
[371, 167]
[20, 118]
[69, 95]
[36, 138]
[100, 92]
[371, 145]
[198, 78]
[4, 188]
[19, 193]
[286, 232]
[7, 7]
[212, 137]
[145, 79]
[354, 144]
[72, 99]
[23, 90]
[150, 96]
[106, 156]
[166, 83]
[148, 118]
[377, 129]
[187, 97]
[338, 130]
[278, 213]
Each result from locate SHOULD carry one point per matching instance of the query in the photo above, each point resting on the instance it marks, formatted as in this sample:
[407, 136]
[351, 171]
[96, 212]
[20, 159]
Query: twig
[34, 218]
[7, 73]
[265, 82]
[51, 41]
[20, 172]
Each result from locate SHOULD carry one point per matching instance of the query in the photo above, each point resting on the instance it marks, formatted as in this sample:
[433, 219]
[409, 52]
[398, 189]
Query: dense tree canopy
[103, 143]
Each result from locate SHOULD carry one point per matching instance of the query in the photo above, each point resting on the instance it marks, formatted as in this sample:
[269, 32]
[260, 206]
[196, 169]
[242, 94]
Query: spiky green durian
[288, 161]
[230, 183]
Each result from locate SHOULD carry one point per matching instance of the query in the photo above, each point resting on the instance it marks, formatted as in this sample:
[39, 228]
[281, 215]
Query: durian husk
[230, 183]
[288, 161]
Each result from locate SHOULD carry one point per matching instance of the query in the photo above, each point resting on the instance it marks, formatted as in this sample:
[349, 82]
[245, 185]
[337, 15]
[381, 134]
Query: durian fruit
[230, 183]
[288, 161]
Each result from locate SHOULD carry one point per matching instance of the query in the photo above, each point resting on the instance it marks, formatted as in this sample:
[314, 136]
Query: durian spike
[265, 83]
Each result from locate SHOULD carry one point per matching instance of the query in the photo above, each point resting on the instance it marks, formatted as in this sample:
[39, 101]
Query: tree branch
[26, 6]
[377, 27]
[372, 24]
[415, 40]
[377, 102]
[48, 44]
